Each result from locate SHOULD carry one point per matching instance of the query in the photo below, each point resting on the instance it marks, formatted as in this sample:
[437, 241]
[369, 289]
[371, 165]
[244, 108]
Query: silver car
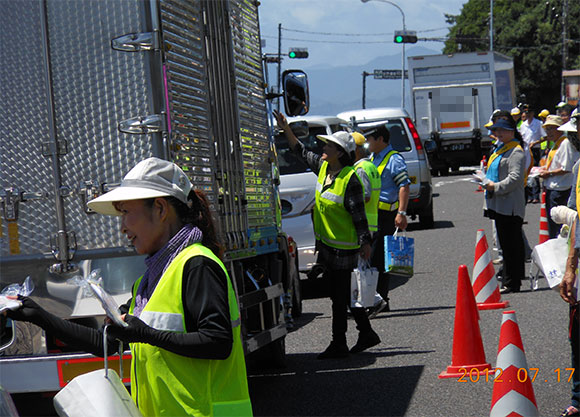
[406, 140]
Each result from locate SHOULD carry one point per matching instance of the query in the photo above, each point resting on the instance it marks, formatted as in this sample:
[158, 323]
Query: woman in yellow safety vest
[183, 319]
[341, 230]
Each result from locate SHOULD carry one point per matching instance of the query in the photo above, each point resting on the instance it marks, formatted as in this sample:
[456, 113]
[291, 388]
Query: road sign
[389, 74]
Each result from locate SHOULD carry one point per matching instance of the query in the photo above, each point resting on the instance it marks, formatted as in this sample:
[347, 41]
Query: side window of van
[288, 161]
[399, 138]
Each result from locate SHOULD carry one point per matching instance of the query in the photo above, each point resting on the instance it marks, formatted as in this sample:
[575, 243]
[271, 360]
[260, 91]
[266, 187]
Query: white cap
[342, 139]
[150, 178]
[571, 125]
[515, 110]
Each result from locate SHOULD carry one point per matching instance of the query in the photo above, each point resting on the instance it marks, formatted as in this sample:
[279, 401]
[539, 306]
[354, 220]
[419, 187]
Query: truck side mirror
[296, 94]
[7, 334]
[430, 146]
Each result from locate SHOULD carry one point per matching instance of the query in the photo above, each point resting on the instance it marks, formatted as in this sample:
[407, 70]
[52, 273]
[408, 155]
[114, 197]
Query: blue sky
[356, 21]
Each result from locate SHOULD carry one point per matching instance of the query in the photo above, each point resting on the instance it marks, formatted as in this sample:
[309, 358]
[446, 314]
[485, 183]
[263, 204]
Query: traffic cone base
[492, 306]
[468, 350]
[459, 371]
[524, 406]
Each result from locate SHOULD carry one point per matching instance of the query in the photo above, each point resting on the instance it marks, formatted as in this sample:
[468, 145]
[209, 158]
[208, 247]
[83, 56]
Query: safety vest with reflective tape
[333, 224]
[372, 206]
[168, 384]
[383, 205]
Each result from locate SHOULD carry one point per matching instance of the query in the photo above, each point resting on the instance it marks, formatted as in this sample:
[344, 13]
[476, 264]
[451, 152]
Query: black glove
[30, 311]
[136, 331]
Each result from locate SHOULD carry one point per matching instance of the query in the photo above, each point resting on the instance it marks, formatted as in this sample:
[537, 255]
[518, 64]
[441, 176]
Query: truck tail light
[415, 135]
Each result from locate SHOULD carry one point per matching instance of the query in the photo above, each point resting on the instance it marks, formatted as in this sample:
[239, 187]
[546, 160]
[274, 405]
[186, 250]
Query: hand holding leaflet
[478, 177]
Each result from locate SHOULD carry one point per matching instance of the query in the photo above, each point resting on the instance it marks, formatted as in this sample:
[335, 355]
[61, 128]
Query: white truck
[89, 88]
[453, 98]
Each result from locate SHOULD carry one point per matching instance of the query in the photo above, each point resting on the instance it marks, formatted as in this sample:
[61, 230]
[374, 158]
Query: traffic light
[405, 36]
[298, 53]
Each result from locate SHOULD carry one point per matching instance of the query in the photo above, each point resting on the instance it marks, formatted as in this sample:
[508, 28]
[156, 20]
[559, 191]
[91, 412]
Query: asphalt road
[399, 377]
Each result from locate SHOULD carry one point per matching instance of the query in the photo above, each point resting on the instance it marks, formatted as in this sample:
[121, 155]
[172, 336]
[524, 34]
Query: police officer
[393, 199]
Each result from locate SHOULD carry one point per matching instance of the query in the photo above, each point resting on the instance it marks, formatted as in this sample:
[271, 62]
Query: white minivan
[298, 183]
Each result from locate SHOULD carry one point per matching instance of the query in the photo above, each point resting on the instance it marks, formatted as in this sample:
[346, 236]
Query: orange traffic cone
[468, 350]
[513, 394]
[544, 235]
[484, 284]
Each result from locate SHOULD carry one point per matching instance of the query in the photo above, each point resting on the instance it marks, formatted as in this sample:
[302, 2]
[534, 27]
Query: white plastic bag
[96, 394]
[15, 290]
[550, 257]
[363, 285]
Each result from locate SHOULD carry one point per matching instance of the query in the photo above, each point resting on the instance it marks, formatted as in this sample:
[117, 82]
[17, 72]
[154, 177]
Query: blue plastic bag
[399, 254]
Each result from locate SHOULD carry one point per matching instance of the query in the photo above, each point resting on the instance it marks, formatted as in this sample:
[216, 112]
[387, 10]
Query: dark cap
[501, 124]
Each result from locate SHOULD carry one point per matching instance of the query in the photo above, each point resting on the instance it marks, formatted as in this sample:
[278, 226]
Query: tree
[530, 32]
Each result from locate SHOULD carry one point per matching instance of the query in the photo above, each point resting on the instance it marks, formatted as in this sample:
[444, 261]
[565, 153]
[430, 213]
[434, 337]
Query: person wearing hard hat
[341, 230]
[557, 173]
[371, 180]
[569, 284]
[516, 114]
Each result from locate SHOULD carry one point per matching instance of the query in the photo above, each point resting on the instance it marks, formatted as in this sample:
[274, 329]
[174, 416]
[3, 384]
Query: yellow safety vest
[333, 224]
[372, 206]
[167, 384]
[383, 205]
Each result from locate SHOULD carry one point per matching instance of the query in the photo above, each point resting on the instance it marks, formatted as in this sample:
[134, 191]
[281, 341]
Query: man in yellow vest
[393, 199]
[371, 180]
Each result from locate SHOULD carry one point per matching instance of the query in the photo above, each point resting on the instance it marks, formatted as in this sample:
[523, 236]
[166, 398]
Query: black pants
[339, 281]
[386, 225]
[509, 233]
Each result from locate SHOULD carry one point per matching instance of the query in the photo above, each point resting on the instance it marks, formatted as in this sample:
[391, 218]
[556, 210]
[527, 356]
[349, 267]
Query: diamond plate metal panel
[95, 87]
[23, 121]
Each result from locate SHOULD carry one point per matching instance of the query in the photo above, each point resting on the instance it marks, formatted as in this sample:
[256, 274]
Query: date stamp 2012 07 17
[521, 375]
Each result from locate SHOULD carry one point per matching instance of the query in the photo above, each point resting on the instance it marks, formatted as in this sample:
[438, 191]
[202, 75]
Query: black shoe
[508, 290]
[334, 350]
[365, 341]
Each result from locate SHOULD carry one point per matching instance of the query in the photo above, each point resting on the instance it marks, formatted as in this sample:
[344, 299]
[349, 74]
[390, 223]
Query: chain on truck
[92, 88]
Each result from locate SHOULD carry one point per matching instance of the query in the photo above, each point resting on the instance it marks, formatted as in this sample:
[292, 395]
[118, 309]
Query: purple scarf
[158, 263]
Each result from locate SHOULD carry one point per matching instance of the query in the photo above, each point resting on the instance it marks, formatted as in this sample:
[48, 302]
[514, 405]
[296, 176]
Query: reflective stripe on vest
[372, 206]
[168, 384]
[383, 205]
[332, 222]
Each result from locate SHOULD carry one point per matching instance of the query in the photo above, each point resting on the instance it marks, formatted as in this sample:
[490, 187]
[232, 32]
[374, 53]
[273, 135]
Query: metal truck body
[90, 88]
[454, 97]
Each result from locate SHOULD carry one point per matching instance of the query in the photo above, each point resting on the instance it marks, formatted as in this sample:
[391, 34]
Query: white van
[298, 183]
[406, 140]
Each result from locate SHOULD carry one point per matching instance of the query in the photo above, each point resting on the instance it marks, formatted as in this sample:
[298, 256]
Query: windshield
[288, 161]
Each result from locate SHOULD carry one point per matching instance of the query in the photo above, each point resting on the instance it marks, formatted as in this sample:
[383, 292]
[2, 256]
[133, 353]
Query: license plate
[457, 147]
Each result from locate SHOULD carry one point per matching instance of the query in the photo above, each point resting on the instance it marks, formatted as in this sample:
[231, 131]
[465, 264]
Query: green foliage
[528, 31]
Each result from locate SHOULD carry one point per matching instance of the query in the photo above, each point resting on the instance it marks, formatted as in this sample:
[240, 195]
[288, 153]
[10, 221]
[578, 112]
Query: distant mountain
[339, 89]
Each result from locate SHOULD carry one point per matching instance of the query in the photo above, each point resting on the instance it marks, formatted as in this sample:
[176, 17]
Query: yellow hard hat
[359, 139]
[543, 113]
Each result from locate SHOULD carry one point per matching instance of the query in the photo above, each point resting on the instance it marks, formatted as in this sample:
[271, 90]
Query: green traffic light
[292, 54]
[398, 39]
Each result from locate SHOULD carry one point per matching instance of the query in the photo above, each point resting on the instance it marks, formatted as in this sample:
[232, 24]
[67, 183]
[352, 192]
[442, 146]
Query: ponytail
[198, 213]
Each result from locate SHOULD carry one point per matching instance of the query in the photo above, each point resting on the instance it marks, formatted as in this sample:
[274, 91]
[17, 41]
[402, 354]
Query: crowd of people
[533, 156]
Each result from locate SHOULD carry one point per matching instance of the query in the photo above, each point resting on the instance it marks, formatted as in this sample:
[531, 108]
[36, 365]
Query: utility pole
[564, 46]
[364, 88]
[491, 25]
[279, 66]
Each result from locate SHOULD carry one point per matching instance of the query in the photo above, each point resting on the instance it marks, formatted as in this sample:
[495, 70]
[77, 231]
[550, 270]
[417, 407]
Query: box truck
[90, 88]
[453, 98]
